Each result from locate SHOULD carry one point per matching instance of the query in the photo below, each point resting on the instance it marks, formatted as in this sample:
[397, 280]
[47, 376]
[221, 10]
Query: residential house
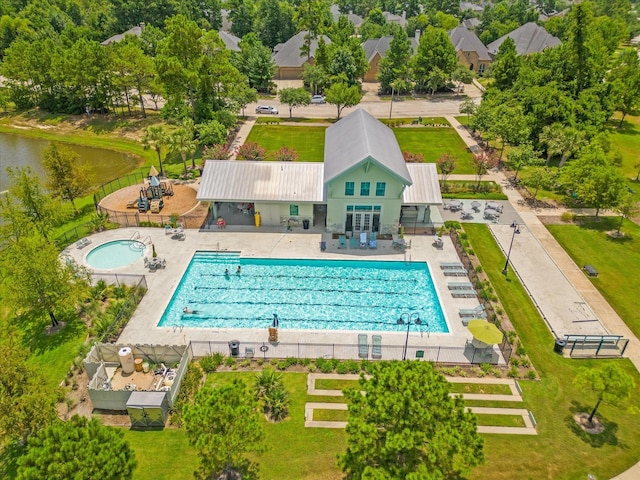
[289, 59]
[477, 9]
[471, 51]
[357, 20]
[376, 48]
[529, 38]
[230, 41]
[137, 31]
[397, 19]
[364, 184]
[471, 23]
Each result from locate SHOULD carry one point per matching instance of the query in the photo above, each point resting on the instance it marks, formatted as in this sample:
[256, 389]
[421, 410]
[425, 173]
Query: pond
[19, 151]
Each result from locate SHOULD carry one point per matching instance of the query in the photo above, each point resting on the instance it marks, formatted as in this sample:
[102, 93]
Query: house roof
[359, 138]
[471, 23]
[137, 31]
[393, 18]
[381, 46]
[357, 20]
[240, 180]
[230, 41]
[529, 38]
[464, 39]
[288, 55]
[425, 188]
[471, 6]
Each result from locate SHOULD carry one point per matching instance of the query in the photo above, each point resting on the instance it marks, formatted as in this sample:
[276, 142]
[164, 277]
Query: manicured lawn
[617, 261]
[627, 141]
[433, 142]
[307, 141]
[162, 455]
[560, 450]
[331, 384]
[501, 420]
[330, 415]
[489, 389]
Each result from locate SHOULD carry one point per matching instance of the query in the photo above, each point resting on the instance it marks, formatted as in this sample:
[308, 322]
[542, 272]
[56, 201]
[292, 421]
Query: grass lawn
[330, 415]
[617, 261]
[434, 142]
[307, 141]
[560, 450]
[332, 384]
[627, 141]
[501, 420]
[489, 389]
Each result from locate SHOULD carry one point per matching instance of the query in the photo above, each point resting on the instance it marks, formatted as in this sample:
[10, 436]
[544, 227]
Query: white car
[318, 99]
[267, 109]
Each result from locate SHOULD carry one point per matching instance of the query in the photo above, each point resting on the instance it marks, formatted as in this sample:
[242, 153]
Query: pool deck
[143, 329]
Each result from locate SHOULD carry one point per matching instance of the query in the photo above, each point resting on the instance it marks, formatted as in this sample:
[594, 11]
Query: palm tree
[181, 141]
[156, 137]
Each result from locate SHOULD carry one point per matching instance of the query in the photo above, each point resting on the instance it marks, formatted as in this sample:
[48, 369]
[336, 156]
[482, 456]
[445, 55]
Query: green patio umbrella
[485, 332]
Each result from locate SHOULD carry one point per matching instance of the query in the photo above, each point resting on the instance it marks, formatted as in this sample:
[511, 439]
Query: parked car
[267, 109]
[318, 99]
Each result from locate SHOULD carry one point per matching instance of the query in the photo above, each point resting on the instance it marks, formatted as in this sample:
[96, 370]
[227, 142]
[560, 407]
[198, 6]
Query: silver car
[267, 109]
[318, 99]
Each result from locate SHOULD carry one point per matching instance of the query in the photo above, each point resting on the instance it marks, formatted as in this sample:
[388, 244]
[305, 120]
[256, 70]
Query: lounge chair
[376, 347]
[477, 312]
[342, 241]
[363, 240]
[363, 346]
[181, 235]
[323, 246]
[460, 285]
[468, 293]
[438, 243]
[457, 272]
[83, 242]
[353, 242]
[373, 241]
[451, 265]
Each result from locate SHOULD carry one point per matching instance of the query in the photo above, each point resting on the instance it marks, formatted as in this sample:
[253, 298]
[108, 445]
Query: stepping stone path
[514, 396]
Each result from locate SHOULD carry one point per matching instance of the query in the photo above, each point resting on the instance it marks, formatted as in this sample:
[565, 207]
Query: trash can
[234, 347]
[559, 345]
[305, 224]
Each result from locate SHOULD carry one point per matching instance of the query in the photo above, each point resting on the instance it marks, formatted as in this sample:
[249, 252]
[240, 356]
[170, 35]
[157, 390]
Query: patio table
[494, 206]
[455, 205]
[475, 205]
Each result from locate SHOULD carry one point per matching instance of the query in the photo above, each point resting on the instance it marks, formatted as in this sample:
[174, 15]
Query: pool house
[363, 185]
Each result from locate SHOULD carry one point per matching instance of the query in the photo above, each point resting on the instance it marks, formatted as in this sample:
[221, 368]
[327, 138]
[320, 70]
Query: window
[349, 188]
[364, 189]
[380, 188]
[481, 68]
[293, 210]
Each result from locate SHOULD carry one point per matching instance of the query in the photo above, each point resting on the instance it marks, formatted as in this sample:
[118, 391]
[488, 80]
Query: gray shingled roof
[137, 31]
[471, 6]
[360, 138]
[289, 55]
[467, 41]
[393, 18]
[381, 46]
[357, 20]
[240, 180]
[529, 38]
[230, 41]
[471, 23]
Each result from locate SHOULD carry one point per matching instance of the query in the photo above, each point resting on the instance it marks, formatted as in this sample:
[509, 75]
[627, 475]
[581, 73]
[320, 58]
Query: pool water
[116, 254]
[305, 294]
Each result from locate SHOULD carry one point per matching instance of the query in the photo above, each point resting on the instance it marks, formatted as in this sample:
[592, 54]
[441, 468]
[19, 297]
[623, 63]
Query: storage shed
[148, 409]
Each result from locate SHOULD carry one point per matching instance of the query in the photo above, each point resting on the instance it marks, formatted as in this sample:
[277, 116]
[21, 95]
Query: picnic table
[591, 271]
[493, 206]
[475, 205]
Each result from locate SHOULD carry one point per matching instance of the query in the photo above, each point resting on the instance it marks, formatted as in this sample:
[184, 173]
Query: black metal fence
[466, 355]
[110, 187]
[137, 219]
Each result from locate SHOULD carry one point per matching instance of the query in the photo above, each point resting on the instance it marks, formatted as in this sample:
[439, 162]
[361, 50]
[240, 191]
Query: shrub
[216, 151]
[486, 367]
[282, 365]
[568, 216]
[312, 368]
[259, 362]
[514, 362]
[520, 351]
[326, 365]
[305, 362]
[511, 335]
[525, 362]
[211, 363]
[229, 361]
[352, 366]
[479, 269]
[413, 157]
[531, 375]
[513, 372]
[291, 361]
[342, 368]
[251, 151]
[285, 154]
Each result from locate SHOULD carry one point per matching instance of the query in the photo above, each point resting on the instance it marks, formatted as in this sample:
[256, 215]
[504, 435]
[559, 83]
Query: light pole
[516, 229]
[391, 104]
[410, 317]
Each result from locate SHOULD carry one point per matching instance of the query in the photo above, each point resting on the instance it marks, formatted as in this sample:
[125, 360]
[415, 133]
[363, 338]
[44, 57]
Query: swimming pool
[305, 294]
[116, 254]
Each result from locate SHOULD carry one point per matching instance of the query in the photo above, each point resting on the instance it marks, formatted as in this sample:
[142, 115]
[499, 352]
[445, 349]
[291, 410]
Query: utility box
[148, 409]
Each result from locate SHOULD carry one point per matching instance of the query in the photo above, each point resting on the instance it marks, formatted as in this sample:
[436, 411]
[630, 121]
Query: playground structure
[151, 195]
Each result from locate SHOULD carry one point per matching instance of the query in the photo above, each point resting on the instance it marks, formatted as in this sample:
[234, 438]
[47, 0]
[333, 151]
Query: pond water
[19, 151]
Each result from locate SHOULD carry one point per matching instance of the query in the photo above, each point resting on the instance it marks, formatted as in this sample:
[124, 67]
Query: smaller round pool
[116, 254]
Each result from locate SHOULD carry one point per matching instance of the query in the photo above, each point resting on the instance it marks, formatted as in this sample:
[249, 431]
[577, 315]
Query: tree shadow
[39, 337]
[9, 460]
[607, 437]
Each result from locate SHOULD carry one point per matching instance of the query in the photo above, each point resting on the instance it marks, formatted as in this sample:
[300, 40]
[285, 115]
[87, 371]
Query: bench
[592, 272]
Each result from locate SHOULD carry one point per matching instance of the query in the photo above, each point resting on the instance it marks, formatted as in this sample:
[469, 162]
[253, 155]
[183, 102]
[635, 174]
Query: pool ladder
[148, 237]
[407, 261]
[135, 235]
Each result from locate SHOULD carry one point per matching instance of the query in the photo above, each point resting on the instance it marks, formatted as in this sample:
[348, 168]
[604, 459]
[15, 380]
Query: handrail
[148, 237]
[135, 235]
